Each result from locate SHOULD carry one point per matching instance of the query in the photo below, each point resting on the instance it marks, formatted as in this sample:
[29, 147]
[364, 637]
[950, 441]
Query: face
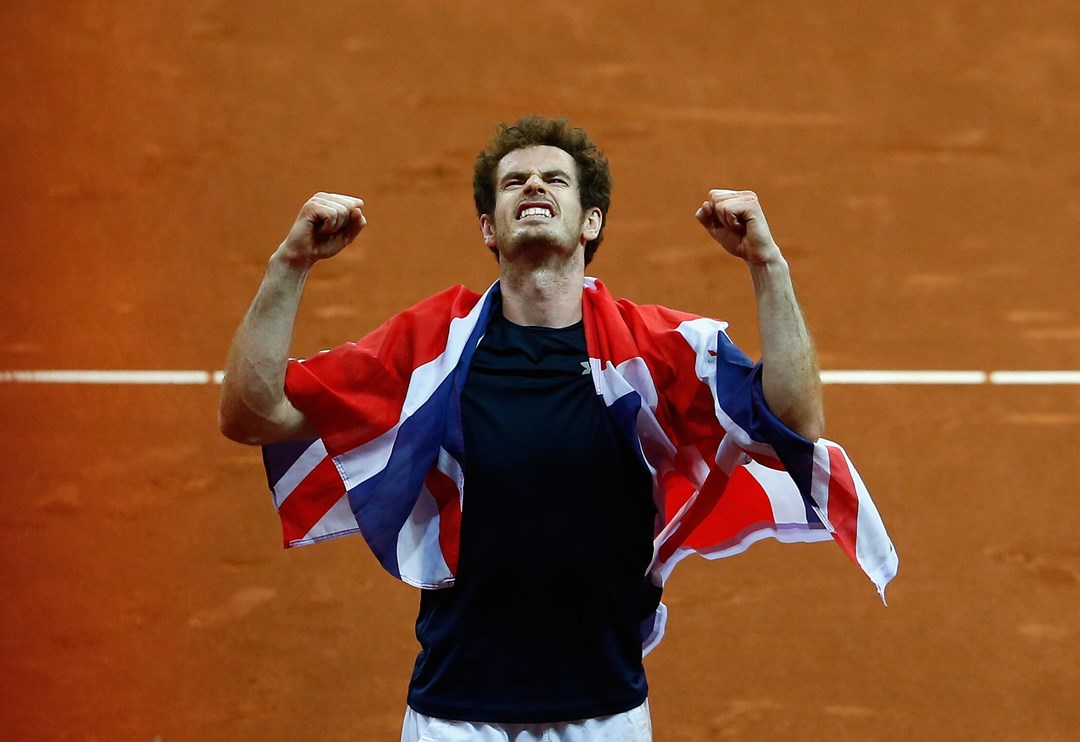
[538, 204]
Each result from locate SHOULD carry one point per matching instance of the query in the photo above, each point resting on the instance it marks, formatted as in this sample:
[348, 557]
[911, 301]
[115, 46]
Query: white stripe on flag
[296, 474]
[337, 521]
[819, 485]
[419, 554]
[787, 504]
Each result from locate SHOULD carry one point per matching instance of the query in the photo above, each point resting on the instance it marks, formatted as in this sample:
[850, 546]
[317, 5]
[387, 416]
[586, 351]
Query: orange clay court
[918, 163]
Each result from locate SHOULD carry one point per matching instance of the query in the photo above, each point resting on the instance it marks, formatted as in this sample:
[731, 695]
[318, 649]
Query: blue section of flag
[453, 434]
[382, 504]
[623, 414]
[278, 458]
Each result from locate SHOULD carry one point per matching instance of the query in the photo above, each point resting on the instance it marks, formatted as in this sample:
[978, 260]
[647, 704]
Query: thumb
[705, 215]
[357, 222]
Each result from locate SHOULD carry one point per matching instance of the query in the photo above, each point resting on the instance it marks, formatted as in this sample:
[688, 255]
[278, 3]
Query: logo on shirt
[587, 369]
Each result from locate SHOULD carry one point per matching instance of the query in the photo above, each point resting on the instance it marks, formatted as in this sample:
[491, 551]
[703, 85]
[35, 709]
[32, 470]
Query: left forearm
[790, 378]
[790, 374]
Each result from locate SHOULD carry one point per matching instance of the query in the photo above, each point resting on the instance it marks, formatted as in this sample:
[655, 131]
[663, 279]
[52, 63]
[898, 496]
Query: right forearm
[254, 408]
[253, 390]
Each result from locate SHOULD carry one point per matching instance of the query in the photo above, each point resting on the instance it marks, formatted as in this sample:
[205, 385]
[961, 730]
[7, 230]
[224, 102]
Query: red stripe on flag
[310, 500]
[724, 510]
[693, 519]
[677, 490]
[843, 502]
[445, 492]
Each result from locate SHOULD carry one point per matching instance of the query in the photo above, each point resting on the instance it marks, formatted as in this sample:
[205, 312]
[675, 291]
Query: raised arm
[790, 376]
[254, 408]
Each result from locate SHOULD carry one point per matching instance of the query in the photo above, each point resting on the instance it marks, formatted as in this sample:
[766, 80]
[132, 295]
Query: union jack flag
[726, 472]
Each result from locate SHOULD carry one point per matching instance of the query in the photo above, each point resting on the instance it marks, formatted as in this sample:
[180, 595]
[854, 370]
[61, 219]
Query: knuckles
[335, 201]
[719, 193]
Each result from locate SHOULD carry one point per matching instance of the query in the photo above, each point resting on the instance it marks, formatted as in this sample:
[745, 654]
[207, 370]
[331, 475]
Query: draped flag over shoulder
[389, 460]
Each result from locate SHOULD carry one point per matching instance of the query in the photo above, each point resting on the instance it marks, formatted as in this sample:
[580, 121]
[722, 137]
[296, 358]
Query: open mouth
[542, 211]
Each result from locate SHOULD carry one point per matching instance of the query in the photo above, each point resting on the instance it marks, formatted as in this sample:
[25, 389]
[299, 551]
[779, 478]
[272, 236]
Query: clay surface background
[917, 161]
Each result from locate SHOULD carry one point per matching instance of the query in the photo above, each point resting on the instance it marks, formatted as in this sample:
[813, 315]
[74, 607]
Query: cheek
[504, 213]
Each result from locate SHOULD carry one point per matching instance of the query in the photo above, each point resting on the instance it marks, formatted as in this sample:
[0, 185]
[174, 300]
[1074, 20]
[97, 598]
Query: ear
[594, 220]
[487, 228]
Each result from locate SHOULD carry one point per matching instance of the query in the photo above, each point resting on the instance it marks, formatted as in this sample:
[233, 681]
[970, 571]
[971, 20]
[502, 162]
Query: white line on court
[878, 377]
[106, 377]
[1035, 377]
[903, 377]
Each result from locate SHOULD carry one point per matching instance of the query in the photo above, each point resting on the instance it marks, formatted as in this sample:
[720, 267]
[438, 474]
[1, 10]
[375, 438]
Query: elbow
[253, 427]
[814, 431]
[805, 424]
[796, 400]
[236, 428]
[811, 426]
[229, 428]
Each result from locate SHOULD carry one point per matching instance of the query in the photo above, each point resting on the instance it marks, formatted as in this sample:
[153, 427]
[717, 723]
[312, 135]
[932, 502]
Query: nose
[535, 184]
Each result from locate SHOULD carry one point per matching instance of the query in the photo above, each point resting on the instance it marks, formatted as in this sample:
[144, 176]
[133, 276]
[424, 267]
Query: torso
[556, 535]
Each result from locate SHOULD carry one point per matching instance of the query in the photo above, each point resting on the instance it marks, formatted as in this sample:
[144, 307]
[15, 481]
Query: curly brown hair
[594, 176]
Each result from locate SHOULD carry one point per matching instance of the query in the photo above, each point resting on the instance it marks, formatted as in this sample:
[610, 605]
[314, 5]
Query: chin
[539, 243]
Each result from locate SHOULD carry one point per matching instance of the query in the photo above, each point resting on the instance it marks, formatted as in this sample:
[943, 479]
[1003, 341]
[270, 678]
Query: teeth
[535, 211]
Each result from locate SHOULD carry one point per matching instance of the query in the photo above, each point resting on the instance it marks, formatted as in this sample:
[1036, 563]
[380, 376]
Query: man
[539, 457]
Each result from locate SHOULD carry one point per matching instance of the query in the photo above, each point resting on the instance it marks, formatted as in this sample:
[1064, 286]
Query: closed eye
[551, 177]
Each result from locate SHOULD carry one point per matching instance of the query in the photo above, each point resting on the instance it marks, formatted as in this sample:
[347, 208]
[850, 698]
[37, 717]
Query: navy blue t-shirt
[543, 622]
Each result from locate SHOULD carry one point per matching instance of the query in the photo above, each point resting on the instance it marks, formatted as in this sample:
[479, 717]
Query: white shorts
[634, 725]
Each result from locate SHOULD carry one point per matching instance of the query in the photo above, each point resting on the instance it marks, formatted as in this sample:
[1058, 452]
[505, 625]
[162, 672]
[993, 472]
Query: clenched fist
[736, 221]
[327, 223]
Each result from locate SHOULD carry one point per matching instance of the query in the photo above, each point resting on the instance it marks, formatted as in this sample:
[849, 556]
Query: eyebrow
[543, 173]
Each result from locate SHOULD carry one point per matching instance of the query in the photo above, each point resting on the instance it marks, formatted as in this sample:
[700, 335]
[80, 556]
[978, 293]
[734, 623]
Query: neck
[542, 296]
